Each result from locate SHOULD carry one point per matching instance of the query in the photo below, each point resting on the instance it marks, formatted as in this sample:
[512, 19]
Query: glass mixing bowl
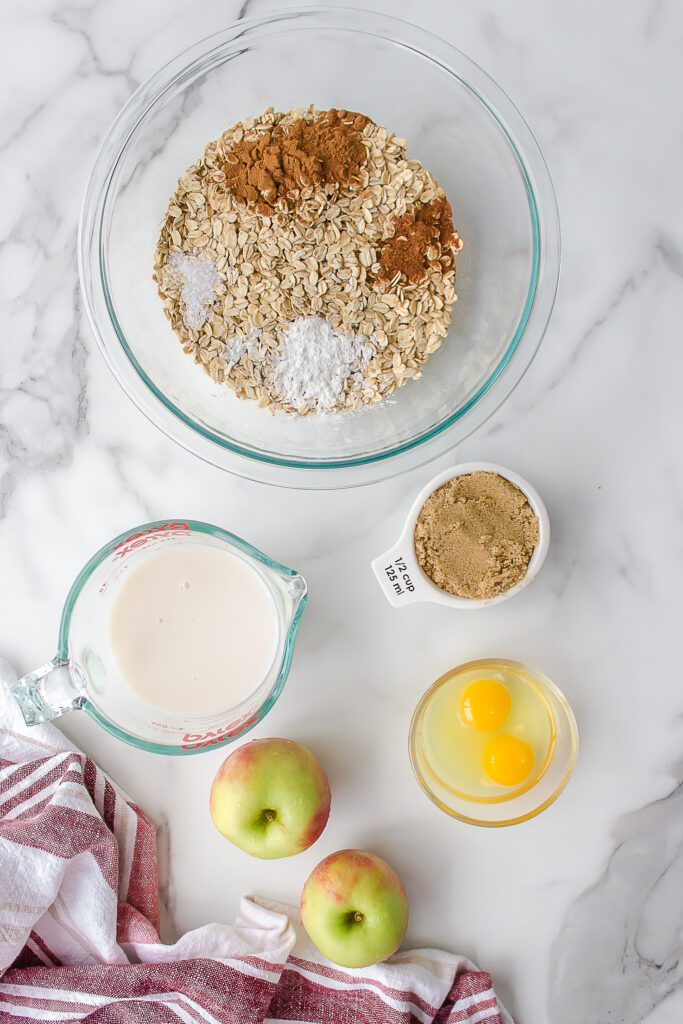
[457, 122]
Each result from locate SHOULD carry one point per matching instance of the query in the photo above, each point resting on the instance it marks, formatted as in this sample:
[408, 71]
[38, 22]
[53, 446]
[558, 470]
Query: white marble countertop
[579, 913]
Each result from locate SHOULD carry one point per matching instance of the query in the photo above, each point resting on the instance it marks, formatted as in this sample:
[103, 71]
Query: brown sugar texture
[271, 169]
[420, 238]
[475, 535]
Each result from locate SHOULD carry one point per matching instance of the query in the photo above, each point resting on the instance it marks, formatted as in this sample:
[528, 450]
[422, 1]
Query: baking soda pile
[307, 263]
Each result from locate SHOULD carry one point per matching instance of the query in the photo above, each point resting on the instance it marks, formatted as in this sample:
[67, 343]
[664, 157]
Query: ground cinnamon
[424, 233]
[272, 167]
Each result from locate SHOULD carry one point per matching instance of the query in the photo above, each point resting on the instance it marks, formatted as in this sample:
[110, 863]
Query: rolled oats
[320, 259]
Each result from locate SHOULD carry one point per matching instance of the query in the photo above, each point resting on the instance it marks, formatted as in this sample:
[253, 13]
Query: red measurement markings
[143, 537]
[194, 740]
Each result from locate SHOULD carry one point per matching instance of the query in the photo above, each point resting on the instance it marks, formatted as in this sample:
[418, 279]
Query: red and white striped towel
[79, 918]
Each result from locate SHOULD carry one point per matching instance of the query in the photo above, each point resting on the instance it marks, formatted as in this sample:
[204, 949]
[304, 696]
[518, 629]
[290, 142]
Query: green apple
[354, 908]
[270, 798]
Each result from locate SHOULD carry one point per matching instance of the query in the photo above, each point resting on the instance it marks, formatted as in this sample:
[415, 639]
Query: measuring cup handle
[400, 577]
[50, 691]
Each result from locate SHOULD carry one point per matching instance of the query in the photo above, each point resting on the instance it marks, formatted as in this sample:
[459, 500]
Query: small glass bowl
[525, 803]
[457, 122]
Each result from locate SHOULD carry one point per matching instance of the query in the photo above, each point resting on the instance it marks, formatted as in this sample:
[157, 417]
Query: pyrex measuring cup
[84, 674]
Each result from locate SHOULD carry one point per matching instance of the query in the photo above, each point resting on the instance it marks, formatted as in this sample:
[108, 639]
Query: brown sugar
[422, 234]
[272, 167]
[475, 535]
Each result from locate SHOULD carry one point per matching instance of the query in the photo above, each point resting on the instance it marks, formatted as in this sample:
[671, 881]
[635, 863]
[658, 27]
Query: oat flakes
[319, 259]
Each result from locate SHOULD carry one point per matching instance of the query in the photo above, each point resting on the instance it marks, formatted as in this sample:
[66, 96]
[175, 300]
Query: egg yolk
[508, 760]
[485, 704]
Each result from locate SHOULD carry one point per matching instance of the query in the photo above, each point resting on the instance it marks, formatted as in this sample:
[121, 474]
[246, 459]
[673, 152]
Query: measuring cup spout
[50, 691]
[297, 589]
[295, 593]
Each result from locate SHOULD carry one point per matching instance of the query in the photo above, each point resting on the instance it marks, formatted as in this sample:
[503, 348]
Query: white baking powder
[314, 363]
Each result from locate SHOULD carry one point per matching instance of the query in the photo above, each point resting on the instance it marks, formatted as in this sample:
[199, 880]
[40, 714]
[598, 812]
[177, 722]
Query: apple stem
[358, 917]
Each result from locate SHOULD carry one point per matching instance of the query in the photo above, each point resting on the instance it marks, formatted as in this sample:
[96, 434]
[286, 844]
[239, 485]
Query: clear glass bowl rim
[92, 247]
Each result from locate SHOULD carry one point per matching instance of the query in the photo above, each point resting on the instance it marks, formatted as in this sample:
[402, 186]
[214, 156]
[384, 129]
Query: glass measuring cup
[84, 674]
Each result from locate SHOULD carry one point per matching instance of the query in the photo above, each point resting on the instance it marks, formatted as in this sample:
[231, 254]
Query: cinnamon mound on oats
[308, 214]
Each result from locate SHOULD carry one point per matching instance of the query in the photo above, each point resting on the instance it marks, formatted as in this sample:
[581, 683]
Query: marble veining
[578, 914]
[619, 952]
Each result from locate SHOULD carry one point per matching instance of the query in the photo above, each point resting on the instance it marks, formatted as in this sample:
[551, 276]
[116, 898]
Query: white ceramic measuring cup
[399, 573]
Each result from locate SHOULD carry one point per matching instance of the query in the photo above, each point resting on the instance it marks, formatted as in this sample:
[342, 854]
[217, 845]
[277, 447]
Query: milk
[194, 630]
